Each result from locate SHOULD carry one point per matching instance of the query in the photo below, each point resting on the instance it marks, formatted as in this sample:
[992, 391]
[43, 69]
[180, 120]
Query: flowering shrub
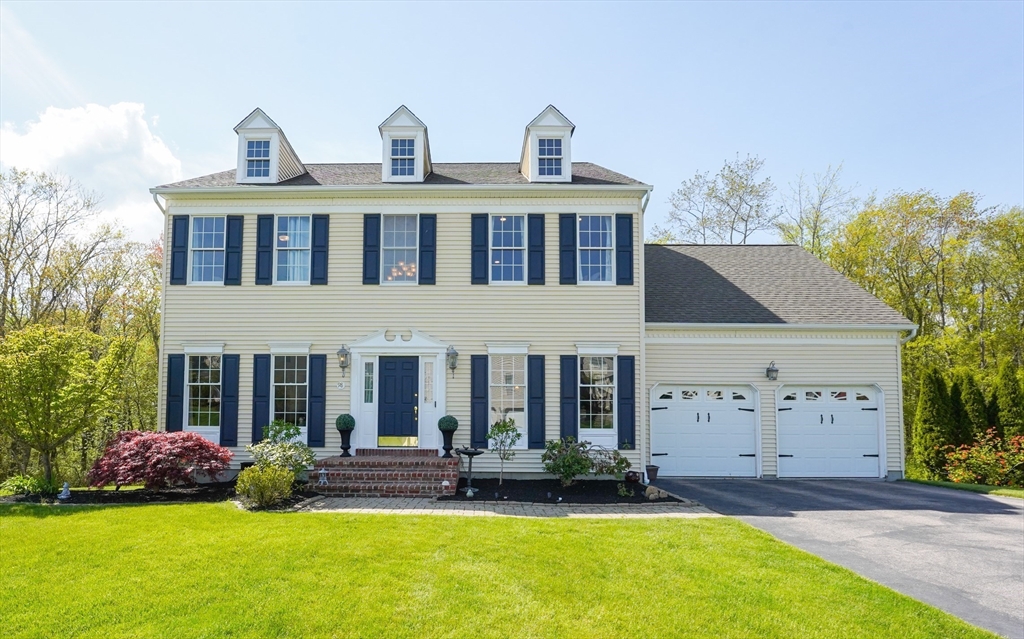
[990, 460]
[280, 447]
[567, 459]
[263, 486]
[158, 459]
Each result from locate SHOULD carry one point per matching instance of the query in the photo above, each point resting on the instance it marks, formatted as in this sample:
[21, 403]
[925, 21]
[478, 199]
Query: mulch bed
[202, 493]
[551, 491]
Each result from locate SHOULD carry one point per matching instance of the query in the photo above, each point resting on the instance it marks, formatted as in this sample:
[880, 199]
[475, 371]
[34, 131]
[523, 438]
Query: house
[405, 290]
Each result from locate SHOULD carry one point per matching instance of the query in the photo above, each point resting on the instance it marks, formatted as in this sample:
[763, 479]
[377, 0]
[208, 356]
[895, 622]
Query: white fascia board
[392, 188]
[783, 327]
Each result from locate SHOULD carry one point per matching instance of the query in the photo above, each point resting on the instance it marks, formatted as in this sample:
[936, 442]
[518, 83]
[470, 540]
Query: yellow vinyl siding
[552, 318]
[802, 357]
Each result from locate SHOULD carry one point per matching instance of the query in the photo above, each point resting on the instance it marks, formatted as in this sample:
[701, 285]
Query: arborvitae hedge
[992, 410]
[960, 431]
[932, 423]
[974, 403]
[1011, 400]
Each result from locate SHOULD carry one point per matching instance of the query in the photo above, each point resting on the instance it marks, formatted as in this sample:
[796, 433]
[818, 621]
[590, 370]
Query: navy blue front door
[398, 409]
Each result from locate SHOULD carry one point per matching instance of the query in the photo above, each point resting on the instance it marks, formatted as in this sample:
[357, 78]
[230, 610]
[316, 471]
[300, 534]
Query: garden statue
[66, 493]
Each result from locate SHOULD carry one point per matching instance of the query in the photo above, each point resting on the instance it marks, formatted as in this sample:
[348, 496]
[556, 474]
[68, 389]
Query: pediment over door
[405, 340]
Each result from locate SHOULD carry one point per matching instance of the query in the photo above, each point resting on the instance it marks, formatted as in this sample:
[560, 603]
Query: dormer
[405, 148]
[547, 148]
[264, 154]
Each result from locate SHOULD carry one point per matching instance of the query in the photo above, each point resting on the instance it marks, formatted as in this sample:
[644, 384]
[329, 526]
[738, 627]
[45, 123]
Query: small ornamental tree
[503, 436]
[158, 460]
[931, 423]
[960, 431]
[1010, 400]
[567, 459]
[974, 404]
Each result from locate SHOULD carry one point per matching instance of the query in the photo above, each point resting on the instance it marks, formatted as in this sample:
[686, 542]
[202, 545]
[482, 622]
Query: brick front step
[411, 473]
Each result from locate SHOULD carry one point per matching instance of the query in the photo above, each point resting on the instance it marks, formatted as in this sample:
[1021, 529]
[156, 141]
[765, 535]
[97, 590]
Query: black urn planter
[652, 474]
[448, 435]
[346, 442]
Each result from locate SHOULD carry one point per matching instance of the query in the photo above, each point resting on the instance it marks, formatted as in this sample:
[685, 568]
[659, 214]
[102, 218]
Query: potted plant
[345, 425]
[652, 473]
[447, 425]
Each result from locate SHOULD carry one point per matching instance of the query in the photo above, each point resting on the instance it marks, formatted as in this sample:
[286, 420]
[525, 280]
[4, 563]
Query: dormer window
[549, 152]
[403, 156]
[257, 158]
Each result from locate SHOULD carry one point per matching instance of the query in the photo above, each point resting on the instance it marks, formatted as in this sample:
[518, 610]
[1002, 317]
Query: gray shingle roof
[754, 284]
[482, 173]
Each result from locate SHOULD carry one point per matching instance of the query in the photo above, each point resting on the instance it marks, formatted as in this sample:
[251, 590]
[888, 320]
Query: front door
[398, 412]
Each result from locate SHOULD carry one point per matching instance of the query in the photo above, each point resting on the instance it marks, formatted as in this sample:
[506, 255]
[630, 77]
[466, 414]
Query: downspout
[913, 334]
[643, 205]
[156, 200]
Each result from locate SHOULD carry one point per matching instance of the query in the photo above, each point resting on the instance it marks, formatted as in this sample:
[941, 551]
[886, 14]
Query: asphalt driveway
[958, 551]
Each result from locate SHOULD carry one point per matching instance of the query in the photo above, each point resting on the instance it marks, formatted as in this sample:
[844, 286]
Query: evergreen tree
[974, 403]
[932, 423]
[992, 411]
[960, 430]
[1011, 400]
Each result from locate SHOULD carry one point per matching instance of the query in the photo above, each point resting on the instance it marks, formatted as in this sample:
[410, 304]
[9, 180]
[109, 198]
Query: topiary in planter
[345, 425]
[447, 425]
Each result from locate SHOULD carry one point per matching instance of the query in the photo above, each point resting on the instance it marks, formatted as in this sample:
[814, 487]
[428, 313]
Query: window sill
[206, 283]
[291, 283]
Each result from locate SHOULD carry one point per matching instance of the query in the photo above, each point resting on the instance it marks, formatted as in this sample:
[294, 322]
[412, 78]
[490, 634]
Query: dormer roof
[284, 161]
[404, 123]
[551, 122]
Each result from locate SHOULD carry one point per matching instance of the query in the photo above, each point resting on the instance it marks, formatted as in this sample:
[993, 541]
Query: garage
[704, 431]
[828, 431]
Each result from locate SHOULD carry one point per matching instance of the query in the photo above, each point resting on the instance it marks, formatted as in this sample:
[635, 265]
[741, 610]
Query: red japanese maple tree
[158, 460]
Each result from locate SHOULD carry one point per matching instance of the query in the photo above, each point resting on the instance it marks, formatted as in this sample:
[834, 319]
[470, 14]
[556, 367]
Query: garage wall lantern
[344, 358]
[771, 372]
[451, 356]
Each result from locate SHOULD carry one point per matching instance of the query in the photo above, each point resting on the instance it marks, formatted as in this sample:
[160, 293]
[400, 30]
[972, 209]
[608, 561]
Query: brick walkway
[423, 506]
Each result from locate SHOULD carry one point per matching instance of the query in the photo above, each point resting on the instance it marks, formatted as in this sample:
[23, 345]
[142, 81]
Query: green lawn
[975, 488]
[210, 570]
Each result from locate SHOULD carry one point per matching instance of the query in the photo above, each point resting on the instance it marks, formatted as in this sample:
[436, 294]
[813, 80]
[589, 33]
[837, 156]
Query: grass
[211, 570]
[1005, 491]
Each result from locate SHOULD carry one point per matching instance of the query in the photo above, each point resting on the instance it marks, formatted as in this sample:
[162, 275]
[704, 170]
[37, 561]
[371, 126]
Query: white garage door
[704, 431]
[828, 432]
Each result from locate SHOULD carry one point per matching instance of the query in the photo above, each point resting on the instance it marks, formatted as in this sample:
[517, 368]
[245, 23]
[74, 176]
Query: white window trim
[243, 164]
[384, 281]
[418, 153]
[524, 439]
[191, 230]
[598, 436]
[276, 249]
[289, 348]
[580, 249]
[274, 385]
[565, 136]
[198, 350]
[596, 349]
[490, 248]
[203, 348]
[511, 348]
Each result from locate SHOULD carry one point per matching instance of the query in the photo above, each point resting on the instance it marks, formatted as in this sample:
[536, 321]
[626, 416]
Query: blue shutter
[265, 249]
[479, 232]
[371, 248]
[318, 254]
[535, 401]
[569, 396]
[175, 392]
[428, 248]
[229, 400]
[478, 401]
[626, 389]
[233, 250]
[260, 395]
[624, 248]
[316, 418]
[535, 257]
[179, 249]
[567, 248]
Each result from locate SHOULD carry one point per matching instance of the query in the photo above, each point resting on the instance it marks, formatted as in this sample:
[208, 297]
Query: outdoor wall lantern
[771, 372]
[344, 358]
[452, 358]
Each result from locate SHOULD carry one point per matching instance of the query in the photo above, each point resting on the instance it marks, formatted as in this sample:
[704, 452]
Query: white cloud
[109, 150]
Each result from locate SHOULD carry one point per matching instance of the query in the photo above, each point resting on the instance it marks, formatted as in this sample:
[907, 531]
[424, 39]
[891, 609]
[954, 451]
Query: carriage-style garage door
[704, 431]
[828, 431]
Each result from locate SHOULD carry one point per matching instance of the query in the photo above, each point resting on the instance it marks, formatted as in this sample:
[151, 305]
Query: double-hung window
[257, 158]
[293, 242]
[595, 247]
[549, 156]
[508, 392]
[403, 156]
[207, 248]
[290, 391]
[203, 381]
[399, 254]
[508, 248]
[597, 397]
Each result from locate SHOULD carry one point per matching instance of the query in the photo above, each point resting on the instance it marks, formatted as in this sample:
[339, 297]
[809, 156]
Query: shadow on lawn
[786, 497]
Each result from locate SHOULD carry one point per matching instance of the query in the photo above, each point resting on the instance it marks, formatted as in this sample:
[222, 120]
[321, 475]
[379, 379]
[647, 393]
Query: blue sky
[906, 95]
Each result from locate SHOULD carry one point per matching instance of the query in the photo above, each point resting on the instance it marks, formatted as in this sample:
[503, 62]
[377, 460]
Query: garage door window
[597, 398]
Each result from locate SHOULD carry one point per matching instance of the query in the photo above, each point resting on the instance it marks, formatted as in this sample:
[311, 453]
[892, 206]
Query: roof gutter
[740, 326]
[913, 334]
[390, 189]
